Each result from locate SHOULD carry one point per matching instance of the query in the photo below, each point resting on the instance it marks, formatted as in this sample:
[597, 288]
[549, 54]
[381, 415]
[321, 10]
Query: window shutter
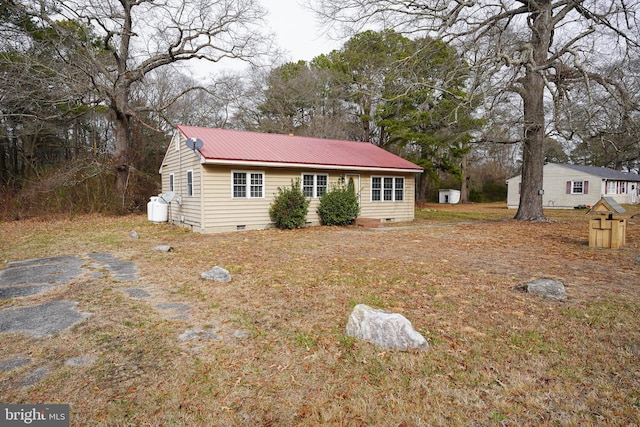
[520, 188]
[586, 187]
[568, 187]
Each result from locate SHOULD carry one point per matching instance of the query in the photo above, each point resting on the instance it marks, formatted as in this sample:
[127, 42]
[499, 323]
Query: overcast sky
[299, 34]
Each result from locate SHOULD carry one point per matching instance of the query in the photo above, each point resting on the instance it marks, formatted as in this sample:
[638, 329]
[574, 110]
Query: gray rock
[163, 248]
[33, 276]
[388, 330]
[175, 310]
[241, 334]
[548, 288]
[22, 291]
[218, 274]
[11, 364]
[35, 377]
[199, 335]
[137, 292]
[80, 361]
[41, 320]
[176, 306]
[134, 235]
[120, 270]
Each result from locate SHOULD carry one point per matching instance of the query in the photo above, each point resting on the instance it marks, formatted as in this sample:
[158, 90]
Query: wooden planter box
[607, 233]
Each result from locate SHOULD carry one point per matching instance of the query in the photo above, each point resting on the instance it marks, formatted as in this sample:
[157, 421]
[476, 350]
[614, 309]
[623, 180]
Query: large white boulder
[388, 330]
[217, 274]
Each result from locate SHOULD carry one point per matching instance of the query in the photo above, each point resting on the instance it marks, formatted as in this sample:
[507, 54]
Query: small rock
[80, 361]
[163, 248]
[389, 330]
[35, 377]
[10, 364]
[218, 274]
[134, 235]
[199, 334]
[240, 334]
[176, 306]
[137, 292]
[548, 288]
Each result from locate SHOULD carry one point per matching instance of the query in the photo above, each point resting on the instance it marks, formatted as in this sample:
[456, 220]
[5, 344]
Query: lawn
[281, 357]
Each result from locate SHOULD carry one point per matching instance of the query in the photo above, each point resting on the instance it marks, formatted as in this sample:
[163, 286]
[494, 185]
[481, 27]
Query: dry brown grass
[498, 357]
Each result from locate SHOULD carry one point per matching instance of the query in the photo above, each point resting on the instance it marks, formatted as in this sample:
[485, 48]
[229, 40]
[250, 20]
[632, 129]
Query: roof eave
[251, 163]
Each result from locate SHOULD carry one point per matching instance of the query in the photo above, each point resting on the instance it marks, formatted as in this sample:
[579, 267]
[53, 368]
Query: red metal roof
[232, 146]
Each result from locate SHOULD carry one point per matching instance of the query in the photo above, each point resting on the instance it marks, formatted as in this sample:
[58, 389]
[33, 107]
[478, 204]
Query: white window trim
[573, 183]
[612, 187]
[315, 183]
[248, 184]
[393, 189]
[190, 190]
[172, 181]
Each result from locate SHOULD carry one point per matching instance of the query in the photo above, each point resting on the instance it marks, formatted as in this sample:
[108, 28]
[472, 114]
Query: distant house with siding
[568, 186]
[229, 183]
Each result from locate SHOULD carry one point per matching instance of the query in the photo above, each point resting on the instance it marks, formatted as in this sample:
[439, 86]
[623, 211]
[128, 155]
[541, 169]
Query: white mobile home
[229, 182]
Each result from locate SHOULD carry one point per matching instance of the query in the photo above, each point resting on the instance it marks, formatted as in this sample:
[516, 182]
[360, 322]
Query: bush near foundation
[289, 207]
[338, 206]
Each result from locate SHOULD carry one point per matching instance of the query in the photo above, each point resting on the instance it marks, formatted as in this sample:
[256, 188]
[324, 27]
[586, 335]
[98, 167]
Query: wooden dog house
[607, 231]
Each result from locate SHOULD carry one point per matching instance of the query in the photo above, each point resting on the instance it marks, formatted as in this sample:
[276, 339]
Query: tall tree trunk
[120, 105]
[14, 149]
[121, 162]
[4, 176]
[424, 181]
[532, 93]
[464, 179]
[123, 136]
[366, 122]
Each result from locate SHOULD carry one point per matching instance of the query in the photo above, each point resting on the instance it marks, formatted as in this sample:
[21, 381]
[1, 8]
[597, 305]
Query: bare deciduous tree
[536, 49]
[132, 38]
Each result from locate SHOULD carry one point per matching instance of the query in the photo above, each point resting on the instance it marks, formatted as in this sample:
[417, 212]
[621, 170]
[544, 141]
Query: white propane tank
[157, 211]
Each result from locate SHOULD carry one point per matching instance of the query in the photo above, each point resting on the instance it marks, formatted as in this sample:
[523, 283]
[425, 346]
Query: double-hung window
[399, 189]
[314, 185]
[190, 183]
[248, 185]
[387, 189]
[577, 187]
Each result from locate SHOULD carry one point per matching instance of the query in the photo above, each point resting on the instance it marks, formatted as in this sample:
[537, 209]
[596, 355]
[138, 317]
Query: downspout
[202, 210]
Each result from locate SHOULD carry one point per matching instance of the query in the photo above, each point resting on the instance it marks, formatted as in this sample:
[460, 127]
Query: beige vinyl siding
[388, 211]
[178, 160]
[223, 213]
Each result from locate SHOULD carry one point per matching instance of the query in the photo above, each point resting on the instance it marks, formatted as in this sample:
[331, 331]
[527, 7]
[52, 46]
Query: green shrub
[289, 207]
[338, 206]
